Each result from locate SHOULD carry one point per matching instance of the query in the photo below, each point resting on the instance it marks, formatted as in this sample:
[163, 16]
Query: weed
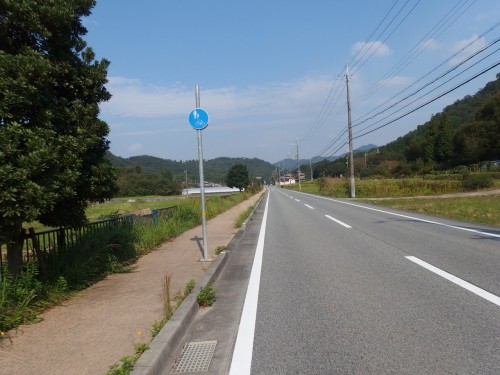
[220, 249]
[241, 219]
[157, 326]
[207, 295]
[127, 362]
[189, 287]
[167, 308]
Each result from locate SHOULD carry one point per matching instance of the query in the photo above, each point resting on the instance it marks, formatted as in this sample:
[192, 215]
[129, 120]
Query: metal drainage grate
[195, 357]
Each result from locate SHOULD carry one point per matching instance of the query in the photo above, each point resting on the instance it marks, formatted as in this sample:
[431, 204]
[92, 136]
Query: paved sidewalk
[98, 326]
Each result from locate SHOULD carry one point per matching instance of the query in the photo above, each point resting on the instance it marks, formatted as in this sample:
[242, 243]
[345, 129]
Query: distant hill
[215, 170]
[291, 164]
[470, 125]
[464, 136]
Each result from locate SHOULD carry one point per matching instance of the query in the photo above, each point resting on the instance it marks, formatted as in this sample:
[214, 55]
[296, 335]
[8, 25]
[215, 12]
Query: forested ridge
[464, 136]
[150, 175]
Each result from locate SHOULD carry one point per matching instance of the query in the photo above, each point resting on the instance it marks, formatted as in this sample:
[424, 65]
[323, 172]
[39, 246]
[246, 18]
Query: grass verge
[483, 210]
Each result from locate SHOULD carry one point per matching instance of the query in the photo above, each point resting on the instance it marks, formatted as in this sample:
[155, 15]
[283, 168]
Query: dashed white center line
[297, 200]
[338, 221]
[464, 284]
[311, 207]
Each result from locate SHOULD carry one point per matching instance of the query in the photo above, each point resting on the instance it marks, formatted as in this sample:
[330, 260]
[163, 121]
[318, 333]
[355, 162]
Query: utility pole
[279, 175]
[311, 167]
[298, 164]
[349, 126]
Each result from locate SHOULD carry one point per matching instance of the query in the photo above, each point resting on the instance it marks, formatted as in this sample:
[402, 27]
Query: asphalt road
[348, 288]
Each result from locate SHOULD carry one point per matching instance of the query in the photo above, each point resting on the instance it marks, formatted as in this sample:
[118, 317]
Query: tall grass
[243, 216]
[69, 269]
[378, 188]
[484, 210]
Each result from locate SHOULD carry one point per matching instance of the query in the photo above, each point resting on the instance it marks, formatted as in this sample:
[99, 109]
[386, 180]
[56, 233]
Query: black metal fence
[35, 244]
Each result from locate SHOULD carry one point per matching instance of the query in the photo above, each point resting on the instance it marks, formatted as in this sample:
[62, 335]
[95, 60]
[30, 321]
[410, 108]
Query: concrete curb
[154, 360]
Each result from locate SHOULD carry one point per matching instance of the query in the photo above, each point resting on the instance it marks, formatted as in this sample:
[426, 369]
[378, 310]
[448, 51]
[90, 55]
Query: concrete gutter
[154, 360]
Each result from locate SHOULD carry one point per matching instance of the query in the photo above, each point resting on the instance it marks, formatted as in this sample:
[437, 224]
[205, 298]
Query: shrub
[207, 295]
[477, 181]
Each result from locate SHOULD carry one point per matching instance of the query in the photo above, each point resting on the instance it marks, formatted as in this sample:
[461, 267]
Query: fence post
[61, 239]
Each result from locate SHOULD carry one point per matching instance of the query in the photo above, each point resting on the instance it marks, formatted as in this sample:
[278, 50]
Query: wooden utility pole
[298, 164]
[349, 126]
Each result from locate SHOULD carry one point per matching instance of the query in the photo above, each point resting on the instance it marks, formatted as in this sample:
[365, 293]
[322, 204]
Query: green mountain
[215, 170]
[465, 132]
[465, 135]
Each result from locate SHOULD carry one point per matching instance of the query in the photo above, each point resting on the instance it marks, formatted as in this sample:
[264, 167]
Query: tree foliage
[132, 182]
[215, 170]
[52, 144]
[464, 133]
[238, 177]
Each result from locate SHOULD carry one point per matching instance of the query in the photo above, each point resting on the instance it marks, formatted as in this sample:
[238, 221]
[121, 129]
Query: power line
[417, 50]
[327, 107]
[431, 100]
[388, 36]
[434, 80]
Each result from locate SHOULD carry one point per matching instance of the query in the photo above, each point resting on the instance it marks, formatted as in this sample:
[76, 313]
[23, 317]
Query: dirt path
[98, 326]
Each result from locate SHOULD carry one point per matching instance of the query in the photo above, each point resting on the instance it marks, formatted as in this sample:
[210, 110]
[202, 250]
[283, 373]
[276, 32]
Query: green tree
[52, 144]
[238, 177]
[443, 149]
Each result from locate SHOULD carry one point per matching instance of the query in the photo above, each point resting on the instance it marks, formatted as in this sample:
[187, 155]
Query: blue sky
[271, 72]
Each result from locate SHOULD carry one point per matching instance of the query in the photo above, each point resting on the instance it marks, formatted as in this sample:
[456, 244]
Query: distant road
[343, 287]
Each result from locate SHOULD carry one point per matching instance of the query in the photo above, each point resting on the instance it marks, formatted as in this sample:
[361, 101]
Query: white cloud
[464, 50]
[366, 49]
[134, 99]
[135, 147]
[397, 81]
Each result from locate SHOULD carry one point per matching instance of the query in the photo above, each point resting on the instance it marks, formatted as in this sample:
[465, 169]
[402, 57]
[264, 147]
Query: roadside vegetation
[422, 191]
[71, 269]
[244, 215]
[207, 295]
[402, 187]
[481, 209]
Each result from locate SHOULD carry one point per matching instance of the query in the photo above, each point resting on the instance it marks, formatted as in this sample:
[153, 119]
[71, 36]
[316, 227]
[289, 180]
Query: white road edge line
[243, 350]
[413, 218]
[338, 221]
[464, 284]
[311, 207]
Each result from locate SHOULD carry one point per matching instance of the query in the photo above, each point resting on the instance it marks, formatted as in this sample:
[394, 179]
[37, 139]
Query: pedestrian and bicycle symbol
[198, 118]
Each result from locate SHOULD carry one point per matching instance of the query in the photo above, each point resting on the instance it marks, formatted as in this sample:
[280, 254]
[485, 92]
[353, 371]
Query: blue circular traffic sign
[198, 118]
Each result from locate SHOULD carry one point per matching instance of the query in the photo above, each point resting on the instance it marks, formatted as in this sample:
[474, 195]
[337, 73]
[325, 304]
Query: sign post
[198, 119]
